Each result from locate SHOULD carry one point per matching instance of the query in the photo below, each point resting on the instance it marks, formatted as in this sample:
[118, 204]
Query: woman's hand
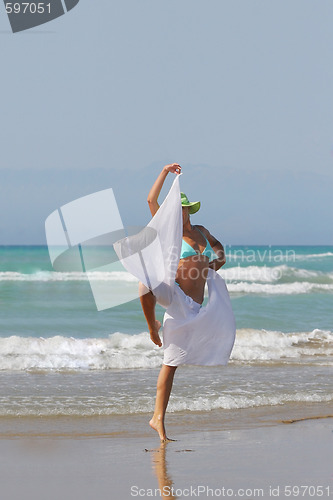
[216, 264]
[174, 168]
[217, 248]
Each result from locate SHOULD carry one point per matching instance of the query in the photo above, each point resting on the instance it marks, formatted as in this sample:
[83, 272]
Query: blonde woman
[192, 334]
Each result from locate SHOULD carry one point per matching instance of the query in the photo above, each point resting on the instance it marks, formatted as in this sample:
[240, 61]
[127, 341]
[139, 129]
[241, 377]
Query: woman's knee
[146, 294]
[143, 290]
[167, 372]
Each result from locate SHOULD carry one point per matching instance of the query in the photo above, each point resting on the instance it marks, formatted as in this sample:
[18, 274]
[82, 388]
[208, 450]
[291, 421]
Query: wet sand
[95, 458]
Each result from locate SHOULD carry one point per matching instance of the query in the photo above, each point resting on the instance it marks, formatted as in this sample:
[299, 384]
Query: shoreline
[265, 460]
[177, 423]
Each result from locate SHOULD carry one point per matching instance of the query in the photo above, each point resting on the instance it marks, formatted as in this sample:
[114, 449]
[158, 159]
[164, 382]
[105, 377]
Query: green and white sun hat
[193, 206]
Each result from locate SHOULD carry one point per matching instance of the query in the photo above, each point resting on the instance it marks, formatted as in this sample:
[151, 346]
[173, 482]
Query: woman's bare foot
[154, 334]
[158, 426]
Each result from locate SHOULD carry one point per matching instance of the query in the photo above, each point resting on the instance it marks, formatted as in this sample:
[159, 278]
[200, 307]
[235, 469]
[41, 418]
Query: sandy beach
[247, 453]
[77, 389]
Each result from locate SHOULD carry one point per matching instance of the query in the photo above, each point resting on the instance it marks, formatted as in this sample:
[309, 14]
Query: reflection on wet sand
[159, 465]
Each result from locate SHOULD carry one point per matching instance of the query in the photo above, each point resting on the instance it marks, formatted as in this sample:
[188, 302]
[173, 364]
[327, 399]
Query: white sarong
[191, 334]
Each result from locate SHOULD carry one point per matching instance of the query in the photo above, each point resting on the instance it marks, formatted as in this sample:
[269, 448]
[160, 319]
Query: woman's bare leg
[164, 386]
[165, 378]
[148, 303]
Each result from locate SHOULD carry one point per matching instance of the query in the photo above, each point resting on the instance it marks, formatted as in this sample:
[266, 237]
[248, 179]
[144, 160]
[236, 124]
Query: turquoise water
[60, 356]
[289, 289]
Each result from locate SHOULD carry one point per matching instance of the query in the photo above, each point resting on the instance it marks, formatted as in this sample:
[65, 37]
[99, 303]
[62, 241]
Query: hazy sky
[238, 92]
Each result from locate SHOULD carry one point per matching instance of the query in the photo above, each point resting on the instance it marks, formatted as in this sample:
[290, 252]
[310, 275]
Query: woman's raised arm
[157, 186]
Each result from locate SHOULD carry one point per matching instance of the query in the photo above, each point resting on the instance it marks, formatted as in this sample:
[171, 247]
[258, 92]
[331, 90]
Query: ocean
[59, 356]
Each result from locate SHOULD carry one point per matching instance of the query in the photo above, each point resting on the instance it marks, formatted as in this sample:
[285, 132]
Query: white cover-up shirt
[191, 334]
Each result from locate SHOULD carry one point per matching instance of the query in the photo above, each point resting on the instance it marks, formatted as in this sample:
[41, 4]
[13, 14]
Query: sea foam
[68, 276]
[83, 406]
[123, 351]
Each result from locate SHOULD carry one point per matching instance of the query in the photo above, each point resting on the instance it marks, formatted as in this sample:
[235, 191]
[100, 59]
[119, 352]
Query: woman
[191, 334]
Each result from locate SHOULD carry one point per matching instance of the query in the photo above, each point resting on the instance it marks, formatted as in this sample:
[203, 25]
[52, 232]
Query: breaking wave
[123, 351]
